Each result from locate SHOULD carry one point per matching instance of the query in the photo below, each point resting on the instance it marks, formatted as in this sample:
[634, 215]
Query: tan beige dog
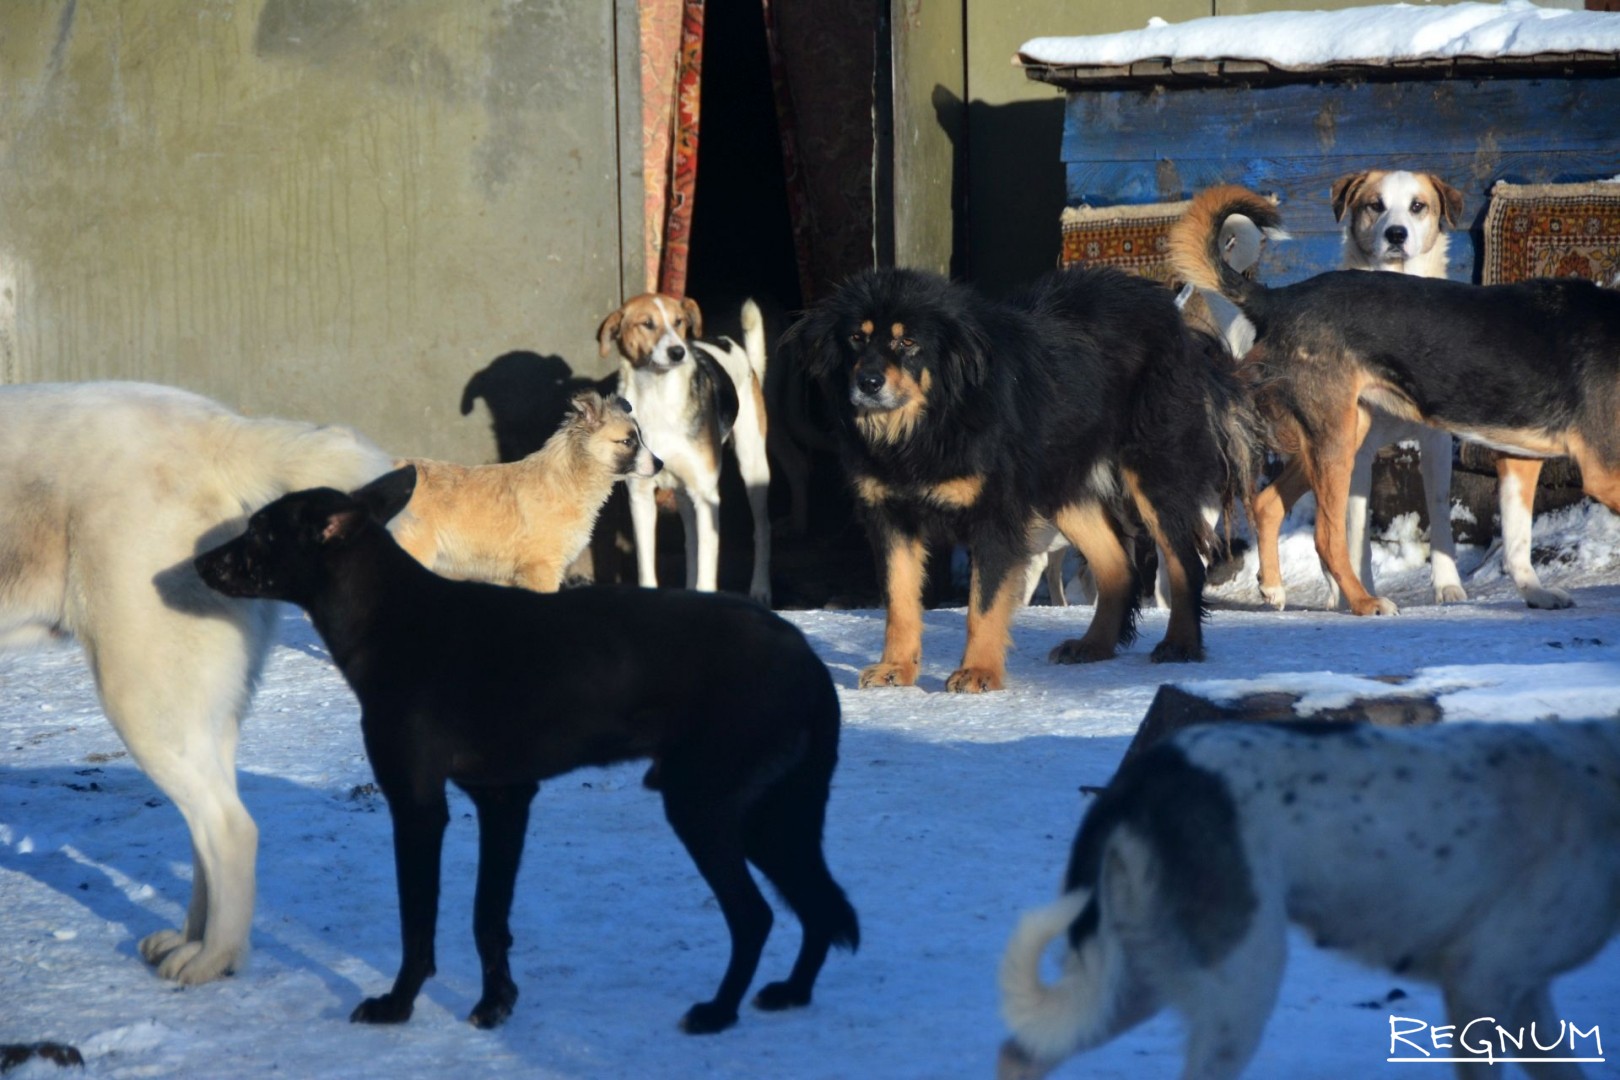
[522, 523]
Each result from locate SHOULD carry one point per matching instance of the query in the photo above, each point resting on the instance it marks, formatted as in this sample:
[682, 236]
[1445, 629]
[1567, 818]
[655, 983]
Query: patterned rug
[1552, 230]
[1134, 238]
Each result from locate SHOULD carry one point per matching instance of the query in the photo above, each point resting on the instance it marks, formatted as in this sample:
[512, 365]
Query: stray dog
[1532, 369]
[1083, 402]
[107, 492]
[691, 397]
[1394, 221]
[496, 689]
[1484, 857]
[523, 523]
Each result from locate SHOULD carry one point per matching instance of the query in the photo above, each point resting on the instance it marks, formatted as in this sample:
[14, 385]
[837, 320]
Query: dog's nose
[676, 353]
[658, 464]
[869, 382]
[1395, 234]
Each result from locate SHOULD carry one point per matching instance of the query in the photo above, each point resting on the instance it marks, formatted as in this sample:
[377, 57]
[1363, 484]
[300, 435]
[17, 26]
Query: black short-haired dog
[495, 689]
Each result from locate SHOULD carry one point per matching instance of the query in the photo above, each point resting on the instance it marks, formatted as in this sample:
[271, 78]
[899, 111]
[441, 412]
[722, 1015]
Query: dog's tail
[1234, 421]
[1219, 237]
[1083, 1008]
[753, 331]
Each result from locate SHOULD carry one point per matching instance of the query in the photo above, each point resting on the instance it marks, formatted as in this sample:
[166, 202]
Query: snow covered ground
[949, 816]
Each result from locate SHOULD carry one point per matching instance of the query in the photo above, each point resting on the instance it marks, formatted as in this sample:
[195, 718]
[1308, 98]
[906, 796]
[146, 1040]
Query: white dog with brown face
[691, 397]
[1397, 221]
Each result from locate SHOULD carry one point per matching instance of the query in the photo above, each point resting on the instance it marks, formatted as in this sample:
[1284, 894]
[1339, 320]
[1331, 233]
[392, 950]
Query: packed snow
[949, 816]
[1376, 35]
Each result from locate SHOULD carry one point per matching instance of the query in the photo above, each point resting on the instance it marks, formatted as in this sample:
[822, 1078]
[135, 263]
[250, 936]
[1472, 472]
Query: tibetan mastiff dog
[1082, 401]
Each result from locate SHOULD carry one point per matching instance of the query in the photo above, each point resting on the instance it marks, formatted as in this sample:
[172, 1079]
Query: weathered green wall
[326, 209]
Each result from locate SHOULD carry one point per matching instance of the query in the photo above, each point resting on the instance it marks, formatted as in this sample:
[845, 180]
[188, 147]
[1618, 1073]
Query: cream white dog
[107, 492]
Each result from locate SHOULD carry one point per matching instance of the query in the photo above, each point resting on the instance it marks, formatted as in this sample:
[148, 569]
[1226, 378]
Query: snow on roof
[1381, 34]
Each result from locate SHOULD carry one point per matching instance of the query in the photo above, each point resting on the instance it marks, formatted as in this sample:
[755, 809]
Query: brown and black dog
[1531, 369]
[522, 523]
[496, 689]
[1082, 401]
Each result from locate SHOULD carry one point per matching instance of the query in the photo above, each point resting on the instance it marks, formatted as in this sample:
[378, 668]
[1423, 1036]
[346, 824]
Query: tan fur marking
[871, 490]
[989, 633]
[759, 404]
[1089, 529]
[896, 425]
[1183, 629]
[627, 327]
[897, 331]
[902, 631]
[962, 492]
[868, 327]
[1600, 478]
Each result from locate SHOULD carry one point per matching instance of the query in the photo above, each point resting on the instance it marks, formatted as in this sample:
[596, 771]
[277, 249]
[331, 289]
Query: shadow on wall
[527, 395]
[1016, 192]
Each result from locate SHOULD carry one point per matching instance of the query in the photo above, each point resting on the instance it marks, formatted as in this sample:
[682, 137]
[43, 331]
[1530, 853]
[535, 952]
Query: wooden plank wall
[1139, 146]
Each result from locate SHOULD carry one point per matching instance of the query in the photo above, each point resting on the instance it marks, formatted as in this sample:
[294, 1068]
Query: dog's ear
[342, 524]
[608, 332]
[808, 346]
[694, 315]
[589, 405]
[968, 350]
[1344, 192]
[387, 495]
[1451, 201]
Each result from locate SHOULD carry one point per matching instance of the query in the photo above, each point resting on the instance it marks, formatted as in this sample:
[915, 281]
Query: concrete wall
[326, 209]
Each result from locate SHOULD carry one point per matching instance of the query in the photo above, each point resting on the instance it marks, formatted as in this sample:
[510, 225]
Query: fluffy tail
[753, 330]
[1051, 1021]
[1219, 237]
[1234, 421]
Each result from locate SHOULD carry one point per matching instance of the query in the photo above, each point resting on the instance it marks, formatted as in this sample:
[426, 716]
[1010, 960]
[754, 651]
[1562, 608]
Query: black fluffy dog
[1082, 400]
[496, 689]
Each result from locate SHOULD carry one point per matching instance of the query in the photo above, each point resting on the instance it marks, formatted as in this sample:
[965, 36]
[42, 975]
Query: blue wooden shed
[1159, 128]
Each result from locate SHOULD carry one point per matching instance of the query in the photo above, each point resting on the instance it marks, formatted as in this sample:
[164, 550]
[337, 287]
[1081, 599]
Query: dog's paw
[706, 1018]
[189, 964]
[1374, 605]
[1275, 595]
[970, 680]
[1171, 652]
[1450, 594]
[1547, 599]
[1080, 651]
[386, 1009]
[494, 1007]
[884, 673]
[776, 996]
[154, 947]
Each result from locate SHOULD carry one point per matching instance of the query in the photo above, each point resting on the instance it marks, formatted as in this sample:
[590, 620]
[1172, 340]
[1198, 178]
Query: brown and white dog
[691, 397]
[1393, 221]
[1531, 369]
[523, 522]
[1396, 221]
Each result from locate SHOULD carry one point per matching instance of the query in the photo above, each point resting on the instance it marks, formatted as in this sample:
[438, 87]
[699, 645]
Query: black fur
[1048, 397]
[497, 689]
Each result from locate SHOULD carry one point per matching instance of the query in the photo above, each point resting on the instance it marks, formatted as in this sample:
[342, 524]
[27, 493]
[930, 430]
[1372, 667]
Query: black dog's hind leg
[708, 824]
[418, 841]
[1170, 512]
[782, 835]
[1091, 529]
[503, 818]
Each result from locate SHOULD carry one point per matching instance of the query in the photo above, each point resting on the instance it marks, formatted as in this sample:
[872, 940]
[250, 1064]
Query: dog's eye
[627, 442]
[857, 339]
[1377, 206]
[906, 343]
[648, 323]
[1418, 206]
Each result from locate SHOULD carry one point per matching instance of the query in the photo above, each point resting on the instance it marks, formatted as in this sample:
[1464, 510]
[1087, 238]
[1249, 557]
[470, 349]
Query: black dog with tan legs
[495, 689]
